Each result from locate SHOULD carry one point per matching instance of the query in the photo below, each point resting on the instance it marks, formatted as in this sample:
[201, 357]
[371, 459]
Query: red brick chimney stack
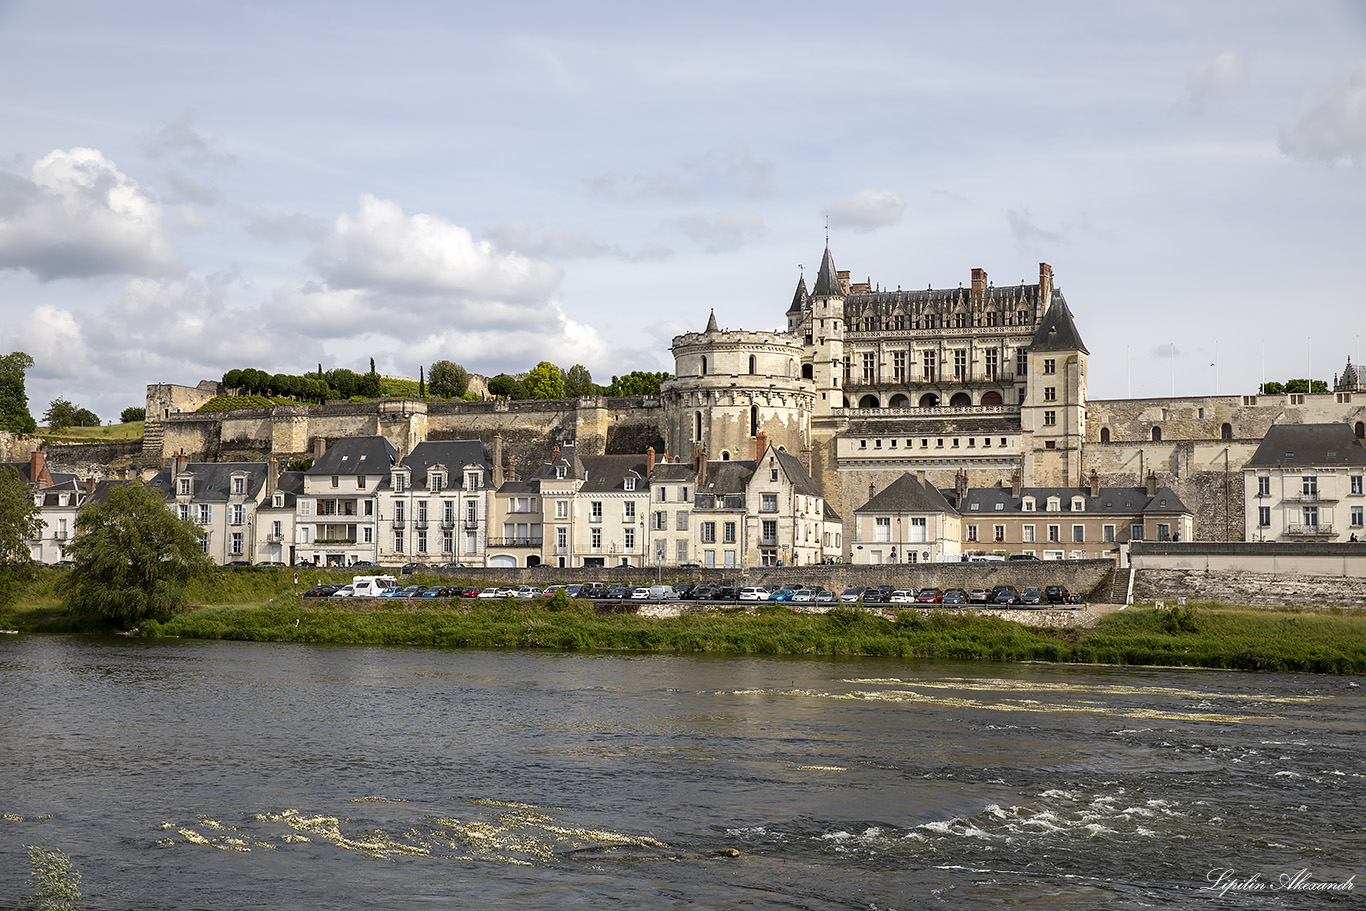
[760, 447]
[1015, 483]
[1045, 284]
[979, 286]
[1152, 483]
[37, 467]
[649, 463]
[1095, 483]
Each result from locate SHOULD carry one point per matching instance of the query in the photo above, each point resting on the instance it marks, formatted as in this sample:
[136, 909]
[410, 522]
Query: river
[221, 775]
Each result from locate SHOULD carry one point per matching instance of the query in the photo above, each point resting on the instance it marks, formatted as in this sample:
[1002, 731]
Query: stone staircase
[153, 437]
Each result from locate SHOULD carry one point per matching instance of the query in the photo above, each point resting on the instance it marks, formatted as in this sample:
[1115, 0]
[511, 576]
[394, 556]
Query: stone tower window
[704, 365]
[1157, 434]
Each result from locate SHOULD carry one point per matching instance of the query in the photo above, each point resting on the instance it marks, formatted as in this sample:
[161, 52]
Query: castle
[970, 384]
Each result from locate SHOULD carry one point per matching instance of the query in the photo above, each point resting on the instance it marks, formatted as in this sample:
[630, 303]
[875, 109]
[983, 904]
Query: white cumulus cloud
[79, 216]
[866, 210]
[1334, 128]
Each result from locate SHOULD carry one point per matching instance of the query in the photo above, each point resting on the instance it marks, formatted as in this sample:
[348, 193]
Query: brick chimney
[760, 447]
[702, 468]
[960, 483]
[805, 457]
[319, 448]
[649, 463]
[89, 486]
[979, 286]
[272, 476]
[512, 468]
[1015, 483]
[555, 456]
[182, 462]
[842, 276]
[1045, 284]
[37, 468]
[1095, 483]
[1152, 483]
[872, 489]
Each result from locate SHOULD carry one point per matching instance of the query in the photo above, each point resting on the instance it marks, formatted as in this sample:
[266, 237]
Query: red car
[470, 591]
[930, 596]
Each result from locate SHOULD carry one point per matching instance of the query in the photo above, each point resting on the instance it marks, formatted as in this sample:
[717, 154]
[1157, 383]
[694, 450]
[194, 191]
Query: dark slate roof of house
[1057, 331]
[532, 485]
[827, 279]
[799, 299]
[291, 484]
[453, 455]
[357, 455]
[672, 472]
[1302, 445]
[727, 476]
[907, 494]
[52, 495]
[1111, 501]
[608, 473]
[830, 514]
[104, 488]
[212, 480]
[796, 473]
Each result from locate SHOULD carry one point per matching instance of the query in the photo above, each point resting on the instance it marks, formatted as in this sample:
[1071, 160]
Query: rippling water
[184, 775]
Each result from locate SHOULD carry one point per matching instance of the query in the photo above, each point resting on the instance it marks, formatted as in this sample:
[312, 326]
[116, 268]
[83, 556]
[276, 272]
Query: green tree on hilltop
[14, 415]
[545, 382]
[133, 413]
[447, 380]
[578, 381]
[133, 559]
[637, 382]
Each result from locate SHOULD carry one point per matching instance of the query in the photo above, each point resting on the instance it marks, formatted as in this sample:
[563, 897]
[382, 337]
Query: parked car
[441, 591]
[703, 592]
[1005, 594]
[1022, 557]
[408, 568]
[392, 592]
[852, 595]
[901, 596]
[526, 592]
[979, 596]
[955, 596]
[470, 591]
[487, 594]
[727, 593]
[1076, 598]
[344, 591]
[804, 595]
[929, 596]
[825, 596]
[413, 591]
[321, 591]
[781, 594]
[236, 564]
[754, 593]
[682, 589]
[1056, 594]
[882, 595]
[640, 593]
[1032, 597]
[619, 592]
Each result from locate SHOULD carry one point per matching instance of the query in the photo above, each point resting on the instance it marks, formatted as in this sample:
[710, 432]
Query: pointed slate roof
[711, 324]
[828, 279]
[1056, 330]
[799, 301]
[907, 494]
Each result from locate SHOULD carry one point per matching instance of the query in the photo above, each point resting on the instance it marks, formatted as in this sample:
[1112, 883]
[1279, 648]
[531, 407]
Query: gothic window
[1157, 434]
[753, 420]
[1226, 432]
[1105, 434]
[751, 363]
[704, 365]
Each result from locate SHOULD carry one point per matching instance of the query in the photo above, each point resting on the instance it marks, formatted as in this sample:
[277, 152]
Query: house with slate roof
[275, 525]
[435, 503]
[604, 523]
[1074, 523]
[221, 498]
[1305, 483]
[337, 522]
[58, 506]
[909, 521]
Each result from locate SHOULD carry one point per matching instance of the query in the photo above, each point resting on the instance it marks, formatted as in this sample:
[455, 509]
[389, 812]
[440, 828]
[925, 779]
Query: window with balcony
[927, 365]
[960, 363]
[1311, 518]
[629, 538]
[990, 359]
[595, 511]
[1309, 486]
[768, 533]
[898, 366]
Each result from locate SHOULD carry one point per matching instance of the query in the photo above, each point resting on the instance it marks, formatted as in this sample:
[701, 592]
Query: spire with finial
[827, 279]
[711, 323]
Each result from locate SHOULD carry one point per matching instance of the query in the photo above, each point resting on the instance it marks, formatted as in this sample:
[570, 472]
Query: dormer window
[471, 480]
[1078, 504]
[1054, 504]
[560, 471]
[279, 501]
[630, 483]
[436, 480]
[1027, 505]
[400, 483]
[239, 486]
[62, 499]
[186, 486]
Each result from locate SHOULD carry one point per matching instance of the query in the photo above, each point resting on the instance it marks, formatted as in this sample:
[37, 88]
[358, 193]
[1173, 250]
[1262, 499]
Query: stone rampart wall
[1329, 560]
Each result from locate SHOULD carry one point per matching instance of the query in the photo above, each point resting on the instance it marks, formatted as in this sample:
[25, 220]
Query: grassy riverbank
[262, 605]
[1227, 638]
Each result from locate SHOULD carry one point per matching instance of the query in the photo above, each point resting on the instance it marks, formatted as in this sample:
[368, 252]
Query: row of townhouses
[457, 502]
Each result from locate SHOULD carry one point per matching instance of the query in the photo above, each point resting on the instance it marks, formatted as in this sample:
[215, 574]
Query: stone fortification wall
[531, 429]
[95, 460]
[15, 447]
[1195, 469]
[1249, 589]
[1202, 418]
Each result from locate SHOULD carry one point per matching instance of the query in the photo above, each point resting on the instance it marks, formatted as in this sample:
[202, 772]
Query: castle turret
[1053, 415]
[826, 347]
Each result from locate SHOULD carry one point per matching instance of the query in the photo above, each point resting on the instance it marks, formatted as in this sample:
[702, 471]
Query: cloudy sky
[191, 187]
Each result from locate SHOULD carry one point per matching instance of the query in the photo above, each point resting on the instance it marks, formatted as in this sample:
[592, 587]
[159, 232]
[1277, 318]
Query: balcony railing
[1302, 497]
[448, 523]
[274, 538]
[765, 541]
[399, 523]
[516, 541]
[1309, 530]
[934, 412]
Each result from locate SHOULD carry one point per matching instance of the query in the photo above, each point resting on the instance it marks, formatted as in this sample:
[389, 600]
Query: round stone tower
[728, 386]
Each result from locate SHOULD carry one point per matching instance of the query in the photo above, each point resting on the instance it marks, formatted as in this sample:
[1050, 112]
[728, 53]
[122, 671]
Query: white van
[371, 586]
[662, 593]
